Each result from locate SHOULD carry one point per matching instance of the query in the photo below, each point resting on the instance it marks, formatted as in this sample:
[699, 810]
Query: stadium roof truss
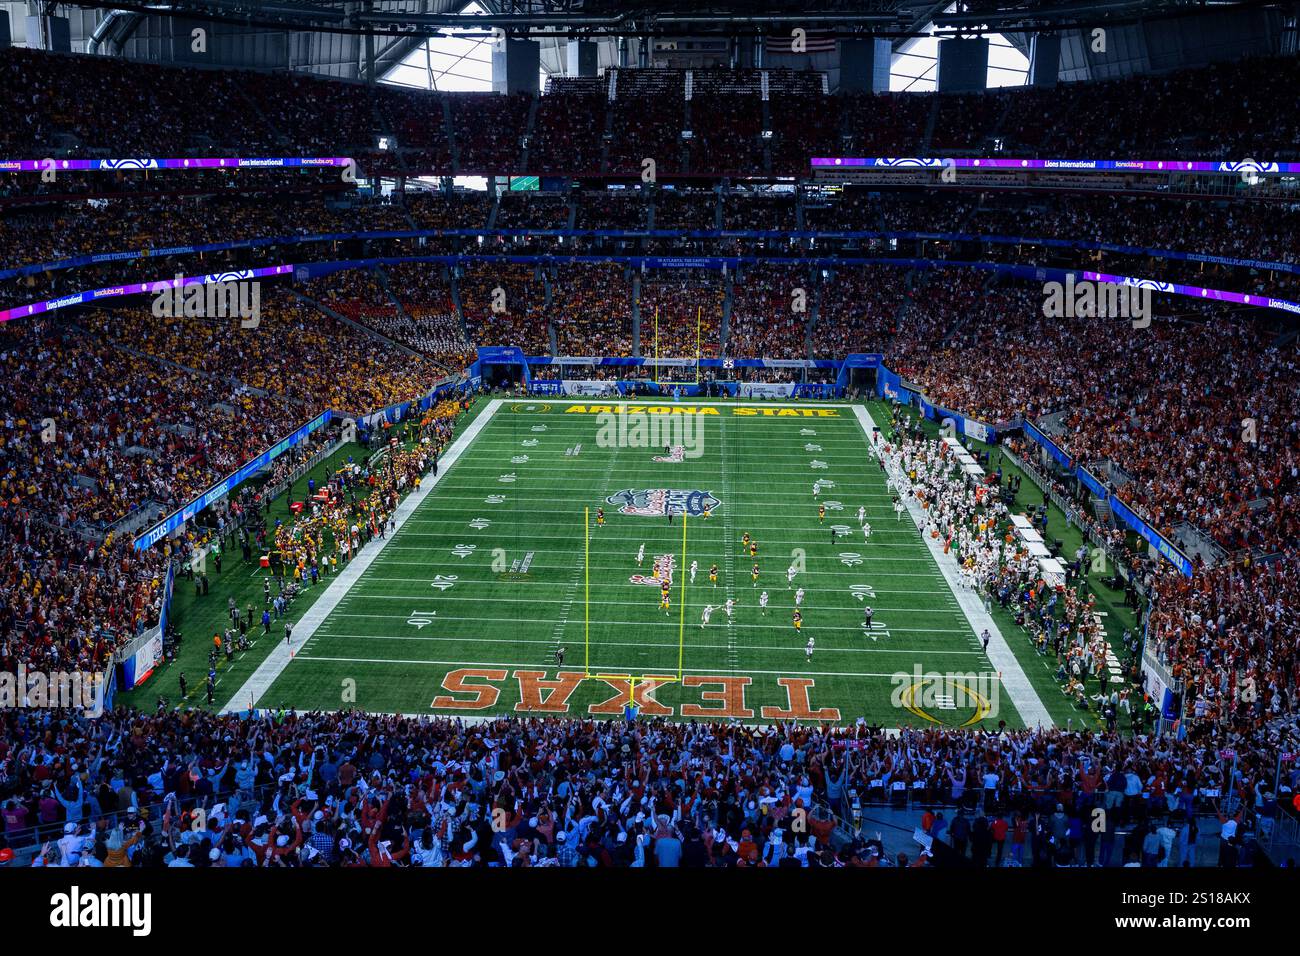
[367, 39]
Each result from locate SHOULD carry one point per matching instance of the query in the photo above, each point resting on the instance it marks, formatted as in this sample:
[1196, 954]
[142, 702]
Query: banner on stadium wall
[713, 263]
[766, 389]
[889, 386]
[594, 388]
[1092, 483]
[137, 668]
[501, 355]
[1165, 548]
[967, 427]
[726, 364]
[863, 360]
[1051, 447]
[169, 584]
[1154, 683]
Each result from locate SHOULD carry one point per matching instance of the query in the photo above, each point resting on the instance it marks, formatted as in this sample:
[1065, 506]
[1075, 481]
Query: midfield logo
[657, 502]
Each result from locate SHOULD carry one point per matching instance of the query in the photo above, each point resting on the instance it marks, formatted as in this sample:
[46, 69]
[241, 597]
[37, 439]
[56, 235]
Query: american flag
[812, 42]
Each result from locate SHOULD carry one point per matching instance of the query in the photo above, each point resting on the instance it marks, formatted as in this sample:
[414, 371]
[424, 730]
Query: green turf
[394, 638]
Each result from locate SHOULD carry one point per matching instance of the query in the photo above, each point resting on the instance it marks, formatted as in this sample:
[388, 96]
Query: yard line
[840, 541]
[728, 548]
[562, 621]
[546, 620]
[619, 551]
[943, 595]
[668, 646]
[912, 575]
[406, 598]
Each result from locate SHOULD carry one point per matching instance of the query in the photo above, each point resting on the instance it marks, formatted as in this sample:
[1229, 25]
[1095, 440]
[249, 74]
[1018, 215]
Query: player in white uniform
[866, 532]
[731, 602]
[706, 614]
[798, 598]
[640, 555]
[817, 488]
[695, 566]
[762, 602]
[808, 649]
[789, 576]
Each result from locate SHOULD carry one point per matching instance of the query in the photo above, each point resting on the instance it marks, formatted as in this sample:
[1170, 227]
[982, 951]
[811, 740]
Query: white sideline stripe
[273, 666]
[1027, 702]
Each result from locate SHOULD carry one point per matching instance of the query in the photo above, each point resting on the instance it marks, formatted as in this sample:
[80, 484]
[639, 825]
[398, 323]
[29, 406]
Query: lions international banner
[766, 389]
[977, 430]
[589, 387]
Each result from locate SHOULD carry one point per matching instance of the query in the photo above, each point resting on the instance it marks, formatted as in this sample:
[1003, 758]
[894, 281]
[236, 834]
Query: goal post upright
[586, 599]
[657, 344]
[698, 355]
[681, 625]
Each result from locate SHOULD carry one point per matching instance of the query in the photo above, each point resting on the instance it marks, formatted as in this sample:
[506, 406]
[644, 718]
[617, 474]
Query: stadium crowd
[113, 411]
[1169, 116]
[196, 789]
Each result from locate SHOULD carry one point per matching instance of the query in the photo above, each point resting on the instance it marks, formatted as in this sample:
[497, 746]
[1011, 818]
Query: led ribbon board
[187, 162]
[1226, 167]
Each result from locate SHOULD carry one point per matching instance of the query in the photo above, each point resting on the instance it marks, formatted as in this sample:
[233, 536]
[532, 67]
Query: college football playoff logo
[658, 502]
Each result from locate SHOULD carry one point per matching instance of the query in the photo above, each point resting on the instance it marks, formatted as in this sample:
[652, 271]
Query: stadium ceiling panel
[341, 39]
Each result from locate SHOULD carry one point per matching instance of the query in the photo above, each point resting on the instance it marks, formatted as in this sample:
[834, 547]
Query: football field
[500, 563]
